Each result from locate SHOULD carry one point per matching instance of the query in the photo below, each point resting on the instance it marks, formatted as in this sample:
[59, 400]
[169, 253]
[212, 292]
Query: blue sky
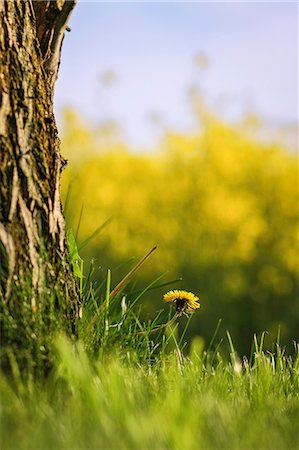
[251, 48]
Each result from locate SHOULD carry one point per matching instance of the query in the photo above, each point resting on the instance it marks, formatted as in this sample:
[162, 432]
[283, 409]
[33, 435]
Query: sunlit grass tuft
[114, 401]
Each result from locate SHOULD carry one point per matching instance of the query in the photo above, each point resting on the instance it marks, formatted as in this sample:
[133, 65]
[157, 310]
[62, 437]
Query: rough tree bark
[33, 249]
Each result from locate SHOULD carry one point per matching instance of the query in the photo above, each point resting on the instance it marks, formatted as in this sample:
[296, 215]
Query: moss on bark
[33, 248]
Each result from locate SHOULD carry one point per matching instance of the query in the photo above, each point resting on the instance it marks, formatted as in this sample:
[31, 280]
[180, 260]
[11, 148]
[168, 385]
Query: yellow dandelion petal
[186, 302]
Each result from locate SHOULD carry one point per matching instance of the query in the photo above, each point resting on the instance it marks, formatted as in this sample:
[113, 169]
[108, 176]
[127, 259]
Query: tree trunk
[36, 273]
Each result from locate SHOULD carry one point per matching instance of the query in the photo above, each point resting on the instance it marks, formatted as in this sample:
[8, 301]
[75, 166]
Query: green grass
[126, 384]
[117, 402]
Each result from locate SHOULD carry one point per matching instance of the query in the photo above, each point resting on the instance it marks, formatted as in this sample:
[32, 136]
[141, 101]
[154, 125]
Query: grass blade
[167, 283]
[132, 272]
[94, 234]
[79, 221]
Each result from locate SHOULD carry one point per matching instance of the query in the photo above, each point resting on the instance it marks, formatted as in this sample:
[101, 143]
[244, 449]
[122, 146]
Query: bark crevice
[32, 228]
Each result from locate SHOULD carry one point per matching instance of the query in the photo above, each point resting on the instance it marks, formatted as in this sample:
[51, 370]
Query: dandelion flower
[185, 302]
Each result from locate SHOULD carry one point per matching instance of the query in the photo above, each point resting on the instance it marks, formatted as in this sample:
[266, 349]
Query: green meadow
[128, 384]
[117, 401]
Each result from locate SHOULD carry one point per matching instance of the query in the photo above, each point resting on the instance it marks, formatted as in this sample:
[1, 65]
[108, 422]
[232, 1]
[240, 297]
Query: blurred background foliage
[221, 205]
